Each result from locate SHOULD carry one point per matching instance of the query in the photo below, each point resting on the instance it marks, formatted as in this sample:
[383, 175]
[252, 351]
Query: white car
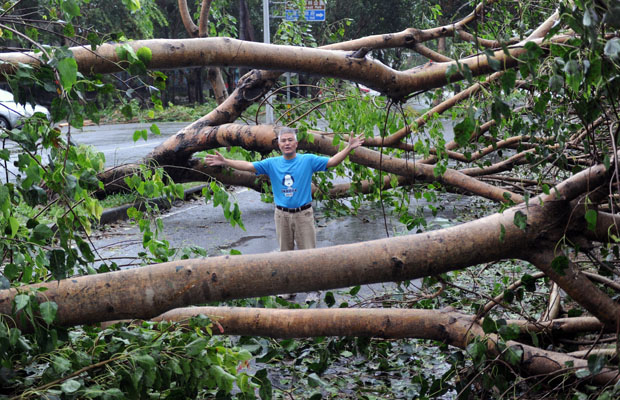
[11, 112]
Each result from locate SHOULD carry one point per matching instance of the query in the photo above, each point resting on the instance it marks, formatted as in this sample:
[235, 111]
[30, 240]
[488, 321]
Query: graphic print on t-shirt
[288, 182]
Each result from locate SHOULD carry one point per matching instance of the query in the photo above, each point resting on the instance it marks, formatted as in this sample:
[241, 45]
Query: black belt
[294, 210]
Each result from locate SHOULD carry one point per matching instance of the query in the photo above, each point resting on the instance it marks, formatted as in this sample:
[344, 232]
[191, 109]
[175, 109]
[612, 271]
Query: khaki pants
[294, 228]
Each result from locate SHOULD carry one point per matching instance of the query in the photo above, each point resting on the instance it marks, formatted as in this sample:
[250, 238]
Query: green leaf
[94, 40]
[499, 108]
[591, 216]
[529, 282]
[520, 220]
[57, 263]
[612, 48]
[128, 113]
[71, 8]
[596, 363]
[132, 5]
[314, 380]
[463, 131]
[145, 55]
[60, 364]
[587, 20]
[196, 347]
[266, 390]
[502, 233]
[48, 311]
[477, 350]
[534, 52]
[155, 129]
[142, 133]
[513, 355]
[224, 379]
[493, 62]
[488, 325]
[509, 332]
[556, 83]
[69, 30]
[67, 69]
[451, 70]
[330, 300]
[560, 264]
[14, 225]
[146, 361]
[582, 373]
[41, 233]
[11, 271]
[508, 79]
[575, 312]
[21, 301]
[4, 200]
[571, 67]
[70, 386]
[509, 296]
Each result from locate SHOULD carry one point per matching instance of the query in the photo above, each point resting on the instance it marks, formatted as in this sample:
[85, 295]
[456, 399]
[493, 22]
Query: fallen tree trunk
[262, 138]
[139, 293]
[447, 326]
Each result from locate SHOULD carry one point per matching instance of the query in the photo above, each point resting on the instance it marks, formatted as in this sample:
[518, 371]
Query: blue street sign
[311, 15]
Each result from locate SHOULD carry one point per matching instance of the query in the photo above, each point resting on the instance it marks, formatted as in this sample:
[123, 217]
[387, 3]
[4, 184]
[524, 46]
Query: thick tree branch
[187, 20]
[103, 297]
[262, 138]
[577, 286]
[203, 21]
[446, 326]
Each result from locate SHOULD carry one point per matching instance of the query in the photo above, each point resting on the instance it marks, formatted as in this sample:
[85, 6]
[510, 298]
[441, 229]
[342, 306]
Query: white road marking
[177, 212]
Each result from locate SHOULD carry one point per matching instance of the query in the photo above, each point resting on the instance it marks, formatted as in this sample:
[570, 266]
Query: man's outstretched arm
[215, 160]
[354, 143]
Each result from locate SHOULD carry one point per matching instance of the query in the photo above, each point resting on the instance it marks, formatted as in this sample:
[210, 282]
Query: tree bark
[182, 53]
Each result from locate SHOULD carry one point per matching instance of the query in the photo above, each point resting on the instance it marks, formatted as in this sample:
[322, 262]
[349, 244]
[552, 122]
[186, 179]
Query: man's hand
[356, 141]
[214, 160]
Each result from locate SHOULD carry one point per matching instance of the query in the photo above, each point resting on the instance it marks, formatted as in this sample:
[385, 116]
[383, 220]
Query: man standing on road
[291, 179]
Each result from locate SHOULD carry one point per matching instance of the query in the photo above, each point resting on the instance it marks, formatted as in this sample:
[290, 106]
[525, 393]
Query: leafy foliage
[125, 361]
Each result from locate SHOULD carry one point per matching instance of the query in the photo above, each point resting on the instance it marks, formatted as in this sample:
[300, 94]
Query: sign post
[267, 40]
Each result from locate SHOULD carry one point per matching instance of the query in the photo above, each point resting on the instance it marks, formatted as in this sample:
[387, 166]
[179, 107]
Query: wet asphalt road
[116, 141]
[196, 223]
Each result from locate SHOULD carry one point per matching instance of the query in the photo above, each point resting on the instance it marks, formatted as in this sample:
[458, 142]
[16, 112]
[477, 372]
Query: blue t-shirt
[291, 180]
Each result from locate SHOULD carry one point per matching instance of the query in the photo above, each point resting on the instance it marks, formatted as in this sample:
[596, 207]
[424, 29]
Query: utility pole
[267, 39]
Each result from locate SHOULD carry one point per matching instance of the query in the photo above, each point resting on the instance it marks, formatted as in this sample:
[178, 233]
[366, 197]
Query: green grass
[170, 113]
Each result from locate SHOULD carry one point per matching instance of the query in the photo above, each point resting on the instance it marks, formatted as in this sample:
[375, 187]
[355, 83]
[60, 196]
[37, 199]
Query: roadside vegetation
[170, 113]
